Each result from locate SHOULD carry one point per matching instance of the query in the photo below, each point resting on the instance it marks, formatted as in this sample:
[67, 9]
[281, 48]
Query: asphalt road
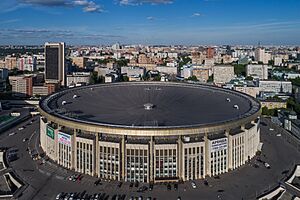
[46, 181]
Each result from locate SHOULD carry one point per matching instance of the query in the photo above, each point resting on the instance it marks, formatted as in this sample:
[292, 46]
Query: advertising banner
[218, 145]
[50, 132]
[64, 138]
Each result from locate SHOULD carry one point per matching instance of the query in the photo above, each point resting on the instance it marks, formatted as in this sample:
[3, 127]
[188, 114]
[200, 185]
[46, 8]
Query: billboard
[218, 145]
[64, 139]
[50, 132]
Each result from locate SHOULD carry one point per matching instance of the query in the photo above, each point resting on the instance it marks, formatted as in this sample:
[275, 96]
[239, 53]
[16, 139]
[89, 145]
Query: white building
[167, 70]
[223, 73]
[187, 72]
[275, 86]
[78, 78]
[133, 71]
[257, 71]
[277, 60]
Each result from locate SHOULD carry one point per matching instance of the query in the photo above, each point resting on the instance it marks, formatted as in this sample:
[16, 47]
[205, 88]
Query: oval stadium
[149, 131]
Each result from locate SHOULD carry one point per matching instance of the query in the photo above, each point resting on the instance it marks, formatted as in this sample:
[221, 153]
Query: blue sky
[188, 22]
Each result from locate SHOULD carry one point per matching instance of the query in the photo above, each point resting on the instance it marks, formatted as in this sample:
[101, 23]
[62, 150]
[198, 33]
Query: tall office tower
[55, 70]
[210, 52]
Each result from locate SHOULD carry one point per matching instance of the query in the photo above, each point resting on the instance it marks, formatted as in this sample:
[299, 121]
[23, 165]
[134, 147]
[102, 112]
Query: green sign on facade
[50, 132]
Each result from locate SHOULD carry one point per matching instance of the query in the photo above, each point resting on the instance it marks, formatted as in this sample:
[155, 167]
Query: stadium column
[229, 152]
[179, 158]
[123, 151]
[96, 158]
[246, 147]
[207, 166]
[151, 158]
[73, 150]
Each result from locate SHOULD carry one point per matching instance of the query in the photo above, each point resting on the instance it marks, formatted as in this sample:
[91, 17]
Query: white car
[11, 134]
[58, 196]
[267, 165]
[71, 177]
[271, 129]
[194, 186]
[21, 128]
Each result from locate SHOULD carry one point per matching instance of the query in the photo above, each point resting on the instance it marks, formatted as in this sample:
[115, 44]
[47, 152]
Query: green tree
[210, 79]
[269, 112]
[124, 78]
[183, 61]
[240, 69]
[295, 81]
[249, 78]
[122, 62]
[192, 78]
[96, 79]
[103, 61]
[157, 78]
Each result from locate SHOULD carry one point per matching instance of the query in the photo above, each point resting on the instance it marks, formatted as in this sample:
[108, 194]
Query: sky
[150, 22]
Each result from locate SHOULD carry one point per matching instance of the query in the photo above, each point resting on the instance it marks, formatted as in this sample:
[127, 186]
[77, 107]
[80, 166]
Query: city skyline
[207, 22]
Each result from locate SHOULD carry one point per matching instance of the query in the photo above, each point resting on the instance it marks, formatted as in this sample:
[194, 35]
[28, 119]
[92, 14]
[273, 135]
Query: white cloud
[151, 18]
[87, 6]
[197, 15]
[140, 2]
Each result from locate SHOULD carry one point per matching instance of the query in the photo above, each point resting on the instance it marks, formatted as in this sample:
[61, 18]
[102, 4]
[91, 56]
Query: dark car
[263, 123]
[169, 187]
[150, 187]
[136, 184]
[142, 189]
[175, 186]
[120, 184]
[123, 196]
[205, 182]
[131, 184]
[97, 182]
[79, 177]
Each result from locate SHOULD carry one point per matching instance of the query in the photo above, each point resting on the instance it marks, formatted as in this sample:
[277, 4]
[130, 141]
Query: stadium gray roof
[150, 104]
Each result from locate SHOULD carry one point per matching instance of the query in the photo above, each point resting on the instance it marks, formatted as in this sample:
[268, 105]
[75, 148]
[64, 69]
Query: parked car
[168, 187]
[175, 186]
[267, 165]
[194, 186]
[59, 196]
[11, 134]
[97, 182]
[150, 187]
[142, 189]
[205, 182]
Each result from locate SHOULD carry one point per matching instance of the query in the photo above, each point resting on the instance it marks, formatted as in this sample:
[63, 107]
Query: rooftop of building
[150, 104]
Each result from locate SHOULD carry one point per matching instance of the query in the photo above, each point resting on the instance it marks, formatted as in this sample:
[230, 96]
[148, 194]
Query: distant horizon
[150, 22]
[166, 45]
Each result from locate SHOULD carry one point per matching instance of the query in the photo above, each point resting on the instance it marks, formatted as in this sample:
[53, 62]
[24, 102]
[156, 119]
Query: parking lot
[46, 180]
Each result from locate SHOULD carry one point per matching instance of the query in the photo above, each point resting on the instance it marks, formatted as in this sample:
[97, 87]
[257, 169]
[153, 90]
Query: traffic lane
[24, 167]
